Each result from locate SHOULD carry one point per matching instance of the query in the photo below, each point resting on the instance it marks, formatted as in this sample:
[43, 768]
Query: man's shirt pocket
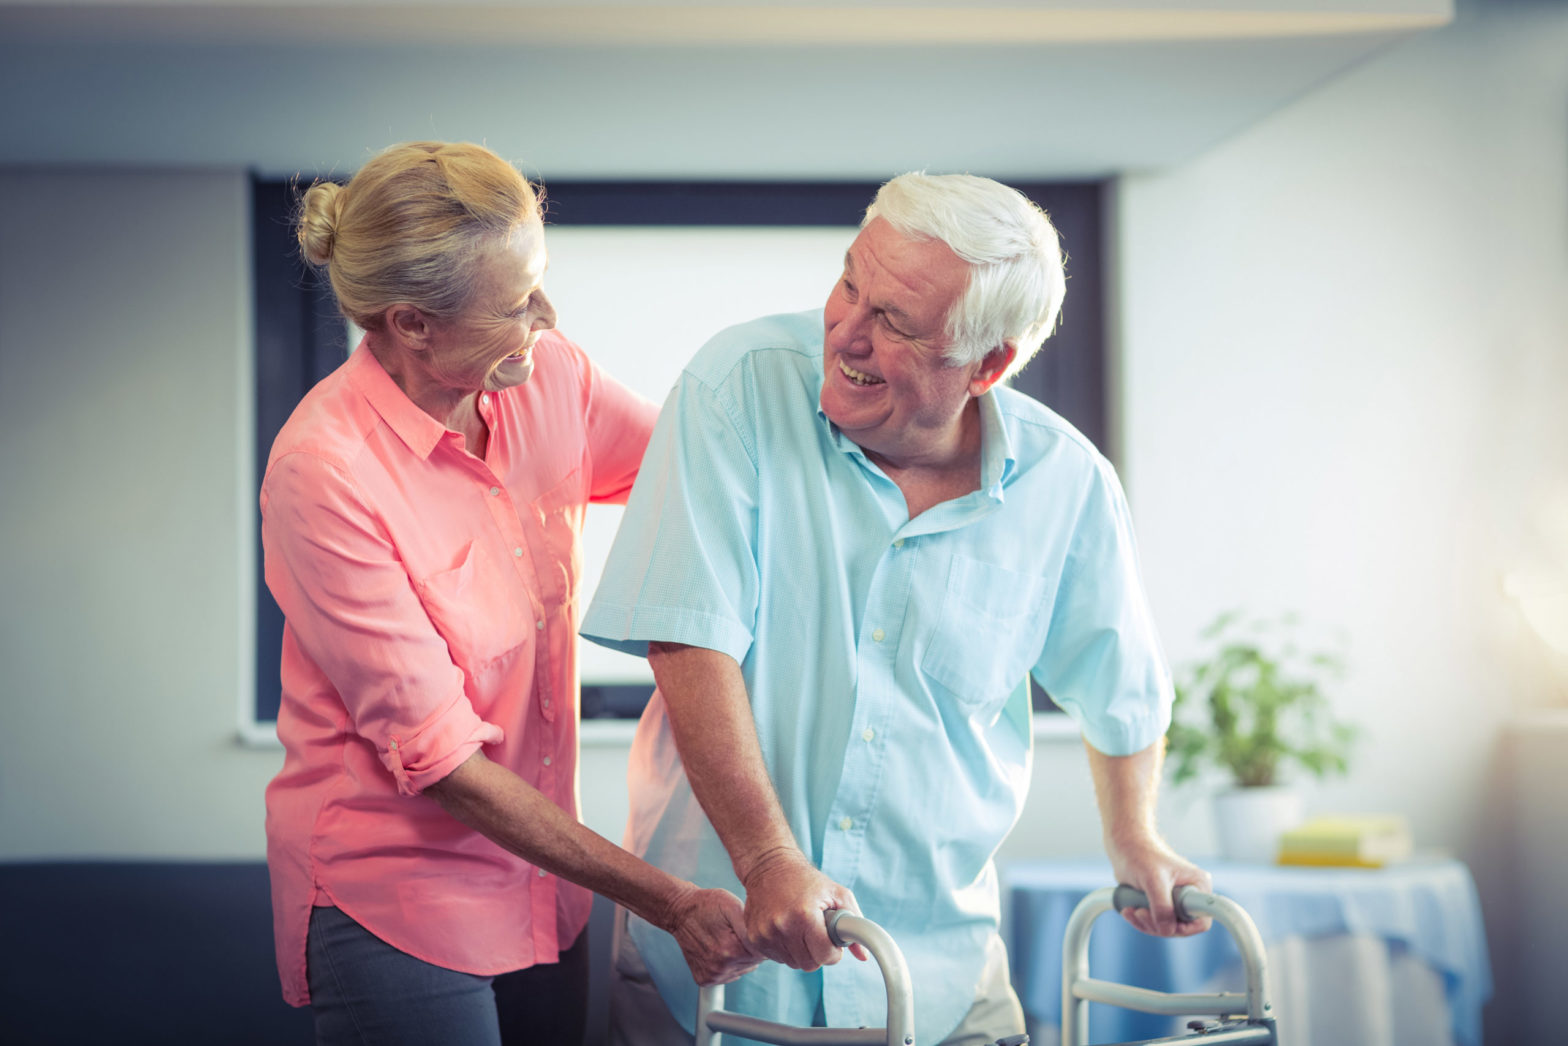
[989, 634]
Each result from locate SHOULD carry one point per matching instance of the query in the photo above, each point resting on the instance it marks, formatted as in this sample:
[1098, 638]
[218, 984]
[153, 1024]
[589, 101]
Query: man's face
[886, 383]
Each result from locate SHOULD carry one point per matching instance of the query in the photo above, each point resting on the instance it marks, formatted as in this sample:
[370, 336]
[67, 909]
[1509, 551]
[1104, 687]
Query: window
[642, 273]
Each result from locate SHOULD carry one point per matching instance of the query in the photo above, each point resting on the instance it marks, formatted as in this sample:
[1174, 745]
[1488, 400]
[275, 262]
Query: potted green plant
[1254, 707]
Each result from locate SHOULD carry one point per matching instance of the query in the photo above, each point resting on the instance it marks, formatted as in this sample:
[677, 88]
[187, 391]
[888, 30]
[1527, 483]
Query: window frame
[300, 336]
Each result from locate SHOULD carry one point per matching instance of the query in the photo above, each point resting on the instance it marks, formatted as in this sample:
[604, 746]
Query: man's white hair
[1016, 280]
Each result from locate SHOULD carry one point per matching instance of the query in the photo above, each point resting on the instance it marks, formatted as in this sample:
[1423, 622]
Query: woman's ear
[992, 366]
[409, 325]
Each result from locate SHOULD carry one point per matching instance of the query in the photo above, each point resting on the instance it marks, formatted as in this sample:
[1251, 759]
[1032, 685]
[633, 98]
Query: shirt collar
[997, 462]
[413, 426]
[996, 447]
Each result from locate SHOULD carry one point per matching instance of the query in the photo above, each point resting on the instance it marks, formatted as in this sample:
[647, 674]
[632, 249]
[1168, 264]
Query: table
[1378, 956]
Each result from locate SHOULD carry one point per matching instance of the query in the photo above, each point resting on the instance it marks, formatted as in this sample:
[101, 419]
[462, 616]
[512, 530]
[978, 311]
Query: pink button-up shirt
[431, 601]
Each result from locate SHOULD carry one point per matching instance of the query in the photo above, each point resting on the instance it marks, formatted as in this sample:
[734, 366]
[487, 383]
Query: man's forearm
[1127, 789]
[705, 697]
[786, 894]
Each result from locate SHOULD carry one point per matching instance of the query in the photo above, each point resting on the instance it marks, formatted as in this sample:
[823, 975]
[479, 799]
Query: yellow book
[1296, 857]
[1347, 841]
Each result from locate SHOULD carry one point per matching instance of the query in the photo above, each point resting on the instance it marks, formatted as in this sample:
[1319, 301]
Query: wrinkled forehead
[912, 275]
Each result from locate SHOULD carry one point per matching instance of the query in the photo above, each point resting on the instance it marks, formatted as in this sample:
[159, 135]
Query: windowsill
[606, 733]
[618, 733]
[258, 735]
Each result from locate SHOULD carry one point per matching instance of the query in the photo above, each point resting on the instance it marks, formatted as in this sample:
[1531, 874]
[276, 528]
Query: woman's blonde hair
[409, 226]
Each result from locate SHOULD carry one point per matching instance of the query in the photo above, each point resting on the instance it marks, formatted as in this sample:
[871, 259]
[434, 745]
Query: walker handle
[1079, 989]
[1131, 897]
[844, 928]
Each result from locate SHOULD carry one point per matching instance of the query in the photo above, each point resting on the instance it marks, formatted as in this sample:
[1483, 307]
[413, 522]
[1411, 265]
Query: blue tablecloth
[1426, 905]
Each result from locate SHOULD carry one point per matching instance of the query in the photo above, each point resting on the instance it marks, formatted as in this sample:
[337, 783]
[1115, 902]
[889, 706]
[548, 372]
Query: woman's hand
[710, 927]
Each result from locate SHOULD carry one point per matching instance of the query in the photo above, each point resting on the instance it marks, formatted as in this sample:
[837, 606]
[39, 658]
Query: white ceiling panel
[629, 88]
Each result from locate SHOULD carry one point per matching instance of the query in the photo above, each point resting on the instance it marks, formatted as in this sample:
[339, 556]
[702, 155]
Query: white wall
[124, 501]
[1345, 360]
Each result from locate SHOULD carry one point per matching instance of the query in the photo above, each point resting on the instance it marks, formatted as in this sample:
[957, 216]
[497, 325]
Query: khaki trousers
[639, 1017]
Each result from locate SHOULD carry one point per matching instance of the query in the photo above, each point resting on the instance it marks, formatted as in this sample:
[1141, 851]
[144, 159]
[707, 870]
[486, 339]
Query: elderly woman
[421, 513]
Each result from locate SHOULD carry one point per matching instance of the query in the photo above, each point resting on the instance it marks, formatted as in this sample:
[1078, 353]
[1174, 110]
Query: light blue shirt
[883, 655]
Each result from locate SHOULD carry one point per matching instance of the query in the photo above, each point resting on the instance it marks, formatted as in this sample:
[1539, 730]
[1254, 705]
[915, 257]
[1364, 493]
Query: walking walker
[1239, 1017]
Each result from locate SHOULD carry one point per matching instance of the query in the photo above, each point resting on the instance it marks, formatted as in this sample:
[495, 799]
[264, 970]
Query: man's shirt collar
[997, 461]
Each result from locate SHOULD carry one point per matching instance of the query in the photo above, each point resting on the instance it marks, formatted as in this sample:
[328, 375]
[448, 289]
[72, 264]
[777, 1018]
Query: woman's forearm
[516, 816]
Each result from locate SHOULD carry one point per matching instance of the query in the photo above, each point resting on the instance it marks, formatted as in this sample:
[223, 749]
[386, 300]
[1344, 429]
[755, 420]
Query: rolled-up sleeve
[354, 611]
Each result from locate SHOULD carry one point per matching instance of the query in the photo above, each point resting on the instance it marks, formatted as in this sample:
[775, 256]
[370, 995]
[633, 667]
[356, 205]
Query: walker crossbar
[1113, 993]
[844, 928]
[1231, 1035]
[1079, 989]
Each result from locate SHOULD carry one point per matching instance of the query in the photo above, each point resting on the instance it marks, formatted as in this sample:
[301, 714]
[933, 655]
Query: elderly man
[847, 546]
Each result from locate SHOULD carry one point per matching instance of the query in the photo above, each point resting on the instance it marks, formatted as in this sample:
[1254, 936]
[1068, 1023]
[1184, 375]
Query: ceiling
[635, 88]
[714, 22]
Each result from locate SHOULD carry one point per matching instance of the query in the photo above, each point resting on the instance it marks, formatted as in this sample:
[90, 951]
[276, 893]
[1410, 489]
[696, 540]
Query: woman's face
[490, 344]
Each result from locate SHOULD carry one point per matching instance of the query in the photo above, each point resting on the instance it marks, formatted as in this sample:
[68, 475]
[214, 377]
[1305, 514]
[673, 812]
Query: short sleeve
[1102, 661]
[353, 610]
[683, 565]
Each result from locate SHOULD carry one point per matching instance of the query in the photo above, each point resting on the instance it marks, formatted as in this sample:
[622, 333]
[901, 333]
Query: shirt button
[539, 624]
[484, 397]
[868, 733]
[898, 542]
[495, 492]
[879, 635]
[546, 760]
[846, 824]
[547, 703]
[541, 873]
[517, 551]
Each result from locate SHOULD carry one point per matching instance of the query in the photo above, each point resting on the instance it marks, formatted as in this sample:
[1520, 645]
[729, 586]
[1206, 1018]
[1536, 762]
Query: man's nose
[852, 333]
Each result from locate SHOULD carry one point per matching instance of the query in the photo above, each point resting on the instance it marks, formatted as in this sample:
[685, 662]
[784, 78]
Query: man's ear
[992, 366]
[409, 325]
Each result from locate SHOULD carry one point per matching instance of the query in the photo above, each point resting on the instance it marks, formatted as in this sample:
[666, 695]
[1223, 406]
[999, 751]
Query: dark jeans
[364, 991]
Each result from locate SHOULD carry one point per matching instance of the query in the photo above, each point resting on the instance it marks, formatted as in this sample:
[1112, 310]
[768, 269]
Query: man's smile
[858, 377]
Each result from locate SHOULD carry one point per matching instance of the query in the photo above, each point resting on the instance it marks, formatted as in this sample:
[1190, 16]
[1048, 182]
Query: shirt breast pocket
[473, 607]
[988, 636]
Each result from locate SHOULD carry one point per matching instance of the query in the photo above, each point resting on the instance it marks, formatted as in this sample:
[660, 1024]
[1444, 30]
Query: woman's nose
[544, 319]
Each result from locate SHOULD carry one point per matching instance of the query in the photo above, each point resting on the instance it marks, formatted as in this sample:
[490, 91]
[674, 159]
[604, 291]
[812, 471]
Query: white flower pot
[1249, 821]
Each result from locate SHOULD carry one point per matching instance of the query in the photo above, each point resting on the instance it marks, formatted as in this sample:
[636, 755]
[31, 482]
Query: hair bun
[318, 221]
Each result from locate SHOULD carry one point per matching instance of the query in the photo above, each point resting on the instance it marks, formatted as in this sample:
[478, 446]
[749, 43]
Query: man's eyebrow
[903, 319]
